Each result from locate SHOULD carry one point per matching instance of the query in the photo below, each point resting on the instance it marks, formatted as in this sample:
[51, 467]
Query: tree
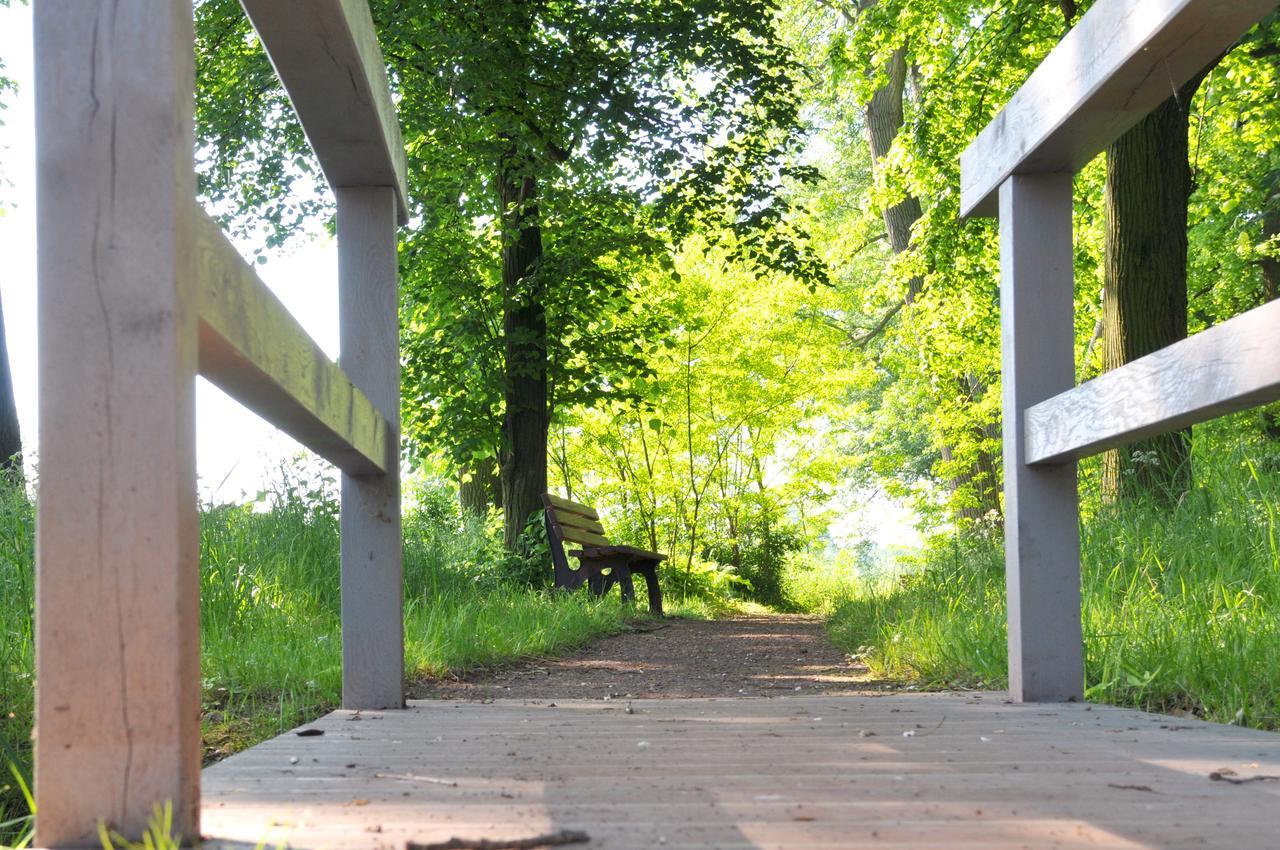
[1147, 192]
[686, 109]
[10, 433]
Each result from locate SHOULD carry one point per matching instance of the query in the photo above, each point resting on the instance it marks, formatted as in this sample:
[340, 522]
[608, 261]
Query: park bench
[602, 564]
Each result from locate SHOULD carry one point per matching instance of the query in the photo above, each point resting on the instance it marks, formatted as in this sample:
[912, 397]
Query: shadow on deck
[939, 770]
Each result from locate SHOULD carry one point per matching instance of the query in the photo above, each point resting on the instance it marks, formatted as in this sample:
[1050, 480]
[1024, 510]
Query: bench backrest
[575, 523]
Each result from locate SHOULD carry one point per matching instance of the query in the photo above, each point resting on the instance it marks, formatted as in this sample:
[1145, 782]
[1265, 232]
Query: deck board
[793, 772]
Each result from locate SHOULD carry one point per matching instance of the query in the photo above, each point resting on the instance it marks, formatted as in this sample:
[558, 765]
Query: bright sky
[238, 452]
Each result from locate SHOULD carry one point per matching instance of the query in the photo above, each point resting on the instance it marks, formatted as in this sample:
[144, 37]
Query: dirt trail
[741, 656]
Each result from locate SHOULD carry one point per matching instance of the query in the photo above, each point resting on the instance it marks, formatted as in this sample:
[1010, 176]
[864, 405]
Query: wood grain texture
[789, 772]
[372, 547]
[326, 53]
[571, 507]
[117, 565]
[578, 535]
[253, 349]
[576, 521]
[1042, 537]
[1232, 366]
[1120, 61]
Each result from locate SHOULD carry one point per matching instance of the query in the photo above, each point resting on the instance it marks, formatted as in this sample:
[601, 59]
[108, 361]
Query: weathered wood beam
[1120, 61]
[117, 552]
[1232, 366]
[1042, 534]
[253, 349]
[372, 546]
[326, 53]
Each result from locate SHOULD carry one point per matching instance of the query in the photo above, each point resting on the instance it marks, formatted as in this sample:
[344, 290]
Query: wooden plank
[1042, 537]
[976, 773]
[578, 535]
[372, 572]
[1232, 366]
[117, 573]
[326, 53]
[1120, 61]
[253, 349]
[564, 504]
[578, 521]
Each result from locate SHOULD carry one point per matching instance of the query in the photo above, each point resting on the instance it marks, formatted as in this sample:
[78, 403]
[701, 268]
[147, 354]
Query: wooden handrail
[253, 349]
[326, 53]
[139, 290]
[1118, 63]
[1232, 366]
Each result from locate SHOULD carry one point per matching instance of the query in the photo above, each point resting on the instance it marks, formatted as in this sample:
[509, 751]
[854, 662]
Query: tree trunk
[1271, 235]
[524, 461]
[10, 435]
[884, 120]
[480, 487]
[1145, 280]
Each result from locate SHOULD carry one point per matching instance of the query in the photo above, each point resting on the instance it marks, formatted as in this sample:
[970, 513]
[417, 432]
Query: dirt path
[741, 656]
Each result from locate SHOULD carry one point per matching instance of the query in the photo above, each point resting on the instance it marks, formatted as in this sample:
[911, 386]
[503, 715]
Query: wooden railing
[1122, 60]
[139, 290]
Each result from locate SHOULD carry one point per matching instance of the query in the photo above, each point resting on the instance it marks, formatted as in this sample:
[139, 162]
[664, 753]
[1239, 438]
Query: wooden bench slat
[629, 551]
[563, 504]
[578, 535]
[568, 520]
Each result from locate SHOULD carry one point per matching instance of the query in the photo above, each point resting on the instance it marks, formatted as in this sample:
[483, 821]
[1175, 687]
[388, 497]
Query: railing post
[372, 572]
[1042, 535]
[117, 574]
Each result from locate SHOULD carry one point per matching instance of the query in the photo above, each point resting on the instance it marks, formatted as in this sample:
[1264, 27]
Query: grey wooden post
[1042, 536]
[117, 571]
[372, 572]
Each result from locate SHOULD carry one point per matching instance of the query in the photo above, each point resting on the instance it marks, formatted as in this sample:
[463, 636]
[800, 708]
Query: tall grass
[1181, 604]
[17, 590]
[269, 615]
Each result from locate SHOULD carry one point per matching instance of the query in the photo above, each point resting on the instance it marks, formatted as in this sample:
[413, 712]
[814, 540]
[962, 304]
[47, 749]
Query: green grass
[271, 653]
[1181, 604]
[17, 589]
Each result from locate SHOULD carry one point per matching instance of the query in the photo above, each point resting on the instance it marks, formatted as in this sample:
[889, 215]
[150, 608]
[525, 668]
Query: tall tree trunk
[480, 487]
[1145, 279]
[524, 461]
[1271, 235]
[10, 435]
[884, 120]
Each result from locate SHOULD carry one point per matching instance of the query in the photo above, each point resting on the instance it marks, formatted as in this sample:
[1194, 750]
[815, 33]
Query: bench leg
[650, 573]
[597, 582]
[623, 575]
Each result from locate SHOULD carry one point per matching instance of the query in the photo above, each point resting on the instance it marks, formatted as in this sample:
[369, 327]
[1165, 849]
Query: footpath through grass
[270, 628]
[1181, 604]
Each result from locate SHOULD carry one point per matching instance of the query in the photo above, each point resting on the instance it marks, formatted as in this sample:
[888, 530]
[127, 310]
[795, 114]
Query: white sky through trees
[237, 451]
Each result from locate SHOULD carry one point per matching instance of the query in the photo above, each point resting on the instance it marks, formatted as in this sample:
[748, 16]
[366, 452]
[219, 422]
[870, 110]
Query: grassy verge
[1181, 604]
[271, 652]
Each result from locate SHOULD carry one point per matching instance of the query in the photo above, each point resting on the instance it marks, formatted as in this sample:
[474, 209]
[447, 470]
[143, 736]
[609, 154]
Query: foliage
[1180, 610]
[731, 460]
[926, 405]
[639, 123]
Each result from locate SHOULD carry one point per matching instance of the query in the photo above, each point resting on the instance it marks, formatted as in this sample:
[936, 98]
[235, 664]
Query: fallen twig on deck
[1220, 776]
[551, 839]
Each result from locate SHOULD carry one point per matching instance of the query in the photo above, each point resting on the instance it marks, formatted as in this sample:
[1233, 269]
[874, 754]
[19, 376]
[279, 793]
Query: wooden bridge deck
[953, 770]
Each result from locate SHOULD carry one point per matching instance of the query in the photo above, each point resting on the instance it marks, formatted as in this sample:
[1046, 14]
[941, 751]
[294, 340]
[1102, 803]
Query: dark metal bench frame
[602, 563]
